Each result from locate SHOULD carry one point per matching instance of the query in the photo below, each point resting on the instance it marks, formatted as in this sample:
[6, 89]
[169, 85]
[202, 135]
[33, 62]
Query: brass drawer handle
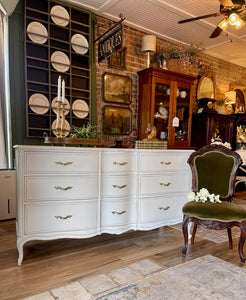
[119, 186]
[165, 184]
[165, 163]
[63, 218]
[119, 163]
[63, 164]
[119, 212]
[63, 189]
[164, 208]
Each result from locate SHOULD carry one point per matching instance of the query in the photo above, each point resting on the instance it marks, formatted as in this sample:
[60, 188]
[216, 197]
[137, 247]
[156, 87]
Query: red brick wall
[224, 74]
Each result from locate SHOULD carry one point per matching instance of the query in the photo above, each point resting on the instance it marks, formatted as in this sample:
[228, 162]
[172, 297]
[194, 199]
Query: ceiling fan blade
[199, 18]
[238, 2]
[217, 31]
[230, 3]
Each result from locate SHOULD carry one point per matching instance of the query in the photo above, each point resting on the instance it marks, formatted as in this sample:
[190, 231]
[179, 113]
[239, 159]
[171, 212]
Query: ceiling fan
[234, 12]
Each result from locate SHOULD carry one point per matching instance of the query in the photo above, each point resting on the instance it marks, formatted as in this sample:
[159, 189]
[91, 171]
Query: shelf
[42, 74]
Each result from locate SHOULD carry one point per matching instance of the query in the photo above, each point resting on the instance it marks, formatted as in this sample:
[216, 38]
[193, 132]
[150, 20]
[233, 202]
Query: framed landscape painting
[117, 88]
[117, 120]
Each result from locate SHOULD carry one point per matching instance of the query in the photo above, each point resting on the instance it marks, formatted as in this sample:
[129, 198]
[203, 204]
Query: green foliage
[221, 101]
[85, 132]
[189, 53]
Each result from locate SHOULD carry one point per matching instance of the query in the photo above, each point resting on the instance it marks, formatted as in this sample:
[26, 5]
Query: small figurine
[151, 130]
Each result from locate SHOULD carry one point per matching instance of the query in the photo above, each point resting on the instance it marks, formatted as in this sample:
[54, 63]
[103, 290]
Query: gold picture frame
[240, 105]
[118, 59]
[117, 120]
[117, 88]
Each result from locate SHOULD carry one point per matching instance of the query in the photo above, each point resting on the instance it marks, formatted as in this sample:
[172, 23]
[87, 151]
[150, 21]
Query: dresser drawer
[60, 187]
[162, 184]
[59, 217]
[153, 210]
[163, 161]
[118, 162]
[117, 213]
[55, 162]
[119, 186]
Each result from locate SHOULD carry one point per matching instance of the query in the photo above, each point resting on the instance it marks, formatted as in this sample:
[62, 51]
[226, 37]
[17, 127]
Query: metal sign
[110, 43]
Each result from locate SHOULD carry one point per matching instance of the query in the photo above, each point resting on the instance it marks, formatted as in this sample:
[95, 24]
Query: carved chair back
[214, 167]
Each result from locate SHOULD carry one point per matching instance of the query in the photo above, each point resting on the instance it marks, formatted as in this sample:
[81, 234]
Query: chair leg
[241, 244]
[185, 233]
[229, 237]
[193, 234]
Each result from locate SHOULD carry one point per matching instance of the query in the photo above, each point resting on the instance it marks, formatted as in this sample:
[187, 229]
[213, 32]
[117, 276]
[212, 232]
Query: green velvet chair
[215, 167]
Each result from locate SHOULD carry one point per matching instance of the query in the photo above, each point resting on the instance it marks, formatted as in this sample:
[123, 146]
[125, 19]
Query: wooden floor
[50, 264]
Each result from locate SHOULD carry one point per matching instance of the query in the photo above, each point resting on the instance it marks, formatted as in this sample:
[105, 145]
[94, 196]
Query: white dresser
[72, 192]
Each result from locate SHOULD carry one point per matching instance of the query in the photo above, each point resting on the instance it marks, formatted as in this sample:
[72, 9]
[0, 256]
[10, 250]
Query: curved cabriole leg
[229, 237]
[20, 245]
[193, 234]
[241, 243]
[185, 233]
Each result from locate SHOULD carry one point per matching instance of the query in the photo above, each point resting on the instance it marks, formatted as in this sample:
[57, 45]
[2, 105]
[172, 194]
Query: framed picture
[118, 59]
[240, 103]
[117, 120]
[117, 88]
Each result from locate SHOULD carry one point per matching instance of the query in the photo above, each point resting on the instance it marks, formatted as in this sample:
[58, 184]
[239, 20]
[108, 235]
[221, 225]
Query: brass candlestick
[59, 119]
[63, 122]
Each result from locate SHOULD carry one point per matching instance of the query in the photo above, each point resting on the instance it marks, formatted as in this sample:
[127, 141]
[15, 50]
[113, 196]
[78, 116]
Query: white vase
[163, 64]
[220, 110]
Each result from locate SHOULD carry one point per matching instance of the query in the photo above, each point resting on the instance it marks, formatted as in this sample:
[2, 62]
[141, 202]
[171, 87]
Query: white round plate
[54, 105]
[39, 103]
[59, 15]
[80, 108]
[163, 110]
[79, 43]
[67, 126]
[60, 61]
[37, 32]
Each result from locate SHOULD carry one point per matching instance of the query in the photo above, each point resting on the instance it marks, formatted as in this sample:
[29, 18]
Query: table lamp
[148, 46]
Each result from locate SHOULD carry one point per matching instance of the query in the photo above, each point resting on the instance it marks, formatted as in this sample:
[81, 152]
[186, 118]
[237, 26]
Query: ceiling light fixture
[223, 24]
[240, 24]
[233, 18]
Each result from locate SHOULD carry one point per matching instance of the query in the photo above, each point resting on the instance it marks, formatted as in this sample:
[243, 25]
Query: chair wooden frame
[215, 224]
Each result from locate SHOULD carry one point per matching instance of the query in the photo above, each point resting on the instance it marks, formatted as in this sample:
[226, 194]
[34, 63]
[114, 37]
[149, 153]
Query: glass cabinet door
[182, 113]
[162, 110]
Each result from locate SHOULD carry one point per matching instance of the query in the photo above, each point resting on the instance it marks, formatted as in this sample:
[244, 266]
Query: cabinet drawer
[154, 210]
[61, 187]
[55, 162]
[163, 161]
[116, 213]
[162, 184]
[119, 162]
[57, 217]
[119, 186]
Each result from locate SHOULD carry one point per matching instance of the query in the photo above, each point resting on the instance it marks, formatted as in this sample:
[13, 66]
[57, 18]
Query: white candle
[59, 89]
[63, 91]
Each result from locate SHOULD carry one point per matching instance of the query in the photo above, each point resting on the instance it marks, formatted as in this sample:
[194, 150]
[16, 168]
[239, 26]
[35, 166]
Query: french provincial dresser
[72, 192]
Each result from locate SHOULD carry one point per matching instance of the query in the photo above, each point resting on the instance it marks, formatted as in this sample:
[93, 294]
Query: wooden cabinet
[57, 40]
[164, 95]
[206, 126]
[71, 192]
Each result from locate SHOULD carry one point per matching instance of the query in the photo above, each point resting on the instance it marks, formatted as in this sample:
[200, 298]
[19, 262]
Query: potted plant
[85, 132]
[175, 55]
[221, 106]
[86, 135]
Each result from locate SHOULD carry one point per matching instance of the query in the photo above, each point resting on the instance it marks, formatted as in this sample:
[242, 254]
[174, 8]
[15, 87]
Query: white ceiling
[160, 17]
